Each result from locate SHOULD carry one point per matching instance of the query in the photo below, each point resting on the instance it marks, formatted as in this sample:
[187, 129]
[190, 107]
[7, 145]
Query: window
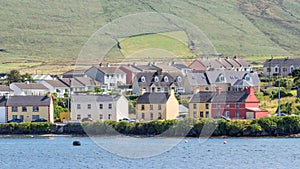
[143, 115]
[207, 106]
[206, 88]
[151, 106]
[142, 107]
[14, 109]
[166, 89]
[218, 105]
[14, 116]
[109, 117]
[89, 116]
[159, 116]
[156, 79]
[22, 117]
[227, 105]
[151, 116]
[100, 106]
[101, 116]
[78, 116]
[24, 109]
[179, 79]
[35, 108]
[195, 106]
[143, 79]
[159, 107]
[292, 68]
[219, 114]
[276, 69]
[166, 79]
[195, 114]
[237, 105]
[109, 106]
[201, 114]
[207, 114]
[227, 114]
[57, 91]
[268, 69]
[78, 106]
[35, 117]
[89, 106]
[284, 69]
[237, 115]
[221, 78]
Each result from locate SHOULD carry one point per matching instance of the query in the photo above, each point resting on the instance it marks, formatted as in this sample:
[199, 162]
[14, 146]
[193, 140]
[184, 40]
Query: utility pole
[69, 94]
[278, 112]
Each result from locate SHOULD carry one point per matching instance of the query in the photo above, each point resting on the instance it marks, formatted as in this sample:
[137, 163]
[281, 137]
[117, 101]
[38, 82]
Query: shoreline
[136, 136]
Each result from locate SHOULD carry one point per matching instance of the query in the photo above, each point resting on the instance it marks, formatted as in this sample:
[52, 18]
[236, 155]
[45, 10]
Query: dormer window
[179, 79]
[143, 79]
[166, 79]
[221, 78]
[247, 78]
[156, 79]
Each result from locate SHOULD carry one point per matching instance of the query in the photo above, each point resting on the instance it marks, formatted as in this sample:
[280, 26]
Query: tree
[284, 82]
[14, 76]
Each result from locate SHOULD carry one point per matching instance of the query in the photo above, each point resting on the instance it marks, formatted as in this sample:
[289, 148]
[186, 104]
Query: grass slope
[46, 36]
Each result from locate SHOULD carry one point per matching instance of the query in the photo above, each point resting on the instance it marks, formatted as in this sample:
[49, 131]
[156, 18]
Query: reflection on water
[58, 152]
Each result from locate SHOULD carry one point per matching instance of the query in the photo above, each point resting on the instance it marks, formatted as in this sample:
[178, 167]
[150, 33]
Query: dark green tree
[14, 76]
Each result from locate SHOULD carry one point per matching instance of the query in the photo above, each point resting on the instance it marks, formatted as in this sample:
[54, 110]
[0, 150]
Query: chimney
[219, 90]
[142, 91]
[171, 92]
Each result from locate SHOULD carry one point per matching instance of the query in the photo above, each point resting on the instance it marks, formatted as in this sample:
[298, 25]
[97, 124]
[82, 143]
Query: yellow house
[200, 105]
[157, 106]
[29, 108]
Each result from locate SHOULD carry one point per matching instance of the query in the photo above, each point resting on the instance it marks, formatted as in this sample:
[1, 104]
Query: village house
[157, 106]
[280, 67]
[232, 104]
[5, 90]
[112, 76]
[30, 108]
[74, 73]
[197, 82]
[158, 82]
[130, 72]
[56, 86]
[3, 109]
[38, 78]
[99, 107]
[29, 89]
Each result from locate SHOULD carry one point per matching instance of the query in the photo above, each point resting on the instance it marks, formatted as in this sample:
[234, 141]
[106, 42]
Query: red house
[237, 104]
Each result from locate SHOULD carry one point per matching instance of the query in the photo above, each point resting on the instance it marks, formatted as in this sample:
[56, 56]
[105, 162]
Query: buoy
[76, 143]
[186, 141]
[225, 142]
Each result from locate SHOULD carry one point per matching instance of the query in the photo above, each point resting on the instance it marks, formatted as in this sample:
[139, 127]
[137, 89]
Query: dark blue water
[58, 152]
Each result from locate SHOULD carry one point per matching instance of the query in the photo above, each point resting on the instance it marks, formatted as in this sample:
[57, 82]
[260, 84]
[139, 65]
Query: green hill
[47, 36]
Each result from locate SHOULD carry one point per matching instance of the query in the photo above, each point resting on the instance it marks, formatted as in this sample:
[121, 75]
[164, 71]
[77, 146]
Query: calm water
[123, 152]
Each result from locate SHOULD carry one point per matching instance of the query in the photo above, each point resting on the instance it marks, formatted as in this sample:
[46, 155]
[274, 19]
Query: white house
[5, 90]
[29, 89]
[56, 86]
[99, 107]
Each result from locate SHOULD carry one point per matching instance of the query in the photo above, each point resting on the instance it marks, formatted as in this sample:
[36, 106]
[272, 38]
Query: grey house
[99, 107]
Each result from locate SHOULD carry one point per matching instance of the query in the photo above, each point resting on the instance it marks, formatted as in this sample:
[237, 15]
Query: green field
[47, 36]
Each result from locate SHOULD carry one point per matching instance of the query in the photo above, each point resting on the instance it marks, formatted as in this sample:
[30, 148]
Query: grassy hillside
[47, 36]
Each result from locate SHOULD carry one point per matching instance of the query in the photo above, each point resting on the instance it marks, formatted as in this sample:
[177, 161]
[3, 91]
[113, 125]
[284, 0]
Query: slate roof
[95, 98]
[226, 64]
[242, 82]
[150, 79]
[230, 96]
[3, 101]
[4, 88]
[31, 86]
[56, 83]
[202, 97]
[87, 81]
[166, 67]
[180, 66]
[241, 62]
[282, 62]
[72, 73]
[233, 62]
[146, 68]
[153, 98]
[197, 79]
[211, 63]
[28, 101]
[74, 83]
[223, 97]
[232, 76]
[110, 70]
[131, 68]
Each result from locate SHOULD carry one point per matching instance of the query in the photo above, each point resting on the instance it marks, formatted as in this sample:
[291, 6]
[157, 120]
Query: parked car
[127, 120]
[39, 120]
[281, 114]
[87, 119]
[222, 117]
[15, 121]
